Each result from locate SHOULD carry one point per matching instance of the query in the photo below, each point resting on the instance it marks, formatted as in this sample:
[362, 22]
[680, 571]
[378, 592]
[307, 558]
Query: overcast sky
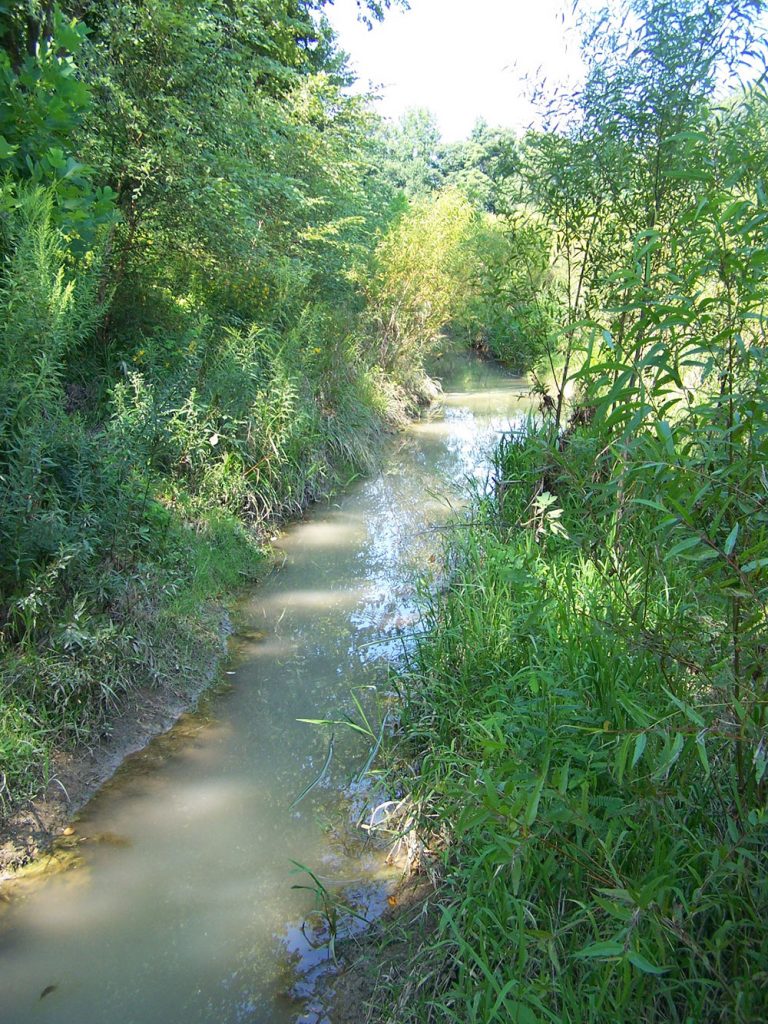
[462, 59]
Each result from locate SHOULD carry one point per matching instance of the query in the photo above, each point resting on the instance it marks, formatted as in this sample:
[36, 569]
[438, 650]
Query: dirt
[380, 961]
[76, 775]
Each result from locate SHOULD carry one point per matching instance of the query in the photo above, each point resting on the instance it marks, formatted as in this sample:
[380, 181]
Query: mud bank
[380, 960]
[143, 714]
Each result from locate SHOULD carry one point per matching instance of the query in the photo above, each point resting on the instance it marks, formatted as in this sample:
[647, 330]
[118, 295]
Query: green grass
[24, 749]
[153, 623]
[579, 754]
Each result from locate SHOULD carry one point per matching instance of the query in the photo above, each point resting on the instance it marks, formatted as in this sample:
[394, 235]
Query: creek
[172, 900]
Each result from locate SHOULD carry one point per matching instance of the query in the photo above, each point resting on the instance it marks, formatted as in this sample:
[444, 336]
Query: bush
[581, 742]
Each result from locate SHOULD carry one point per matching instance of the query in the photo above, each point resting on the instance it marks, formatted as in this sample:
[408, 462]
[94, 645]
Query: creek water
[173, 900]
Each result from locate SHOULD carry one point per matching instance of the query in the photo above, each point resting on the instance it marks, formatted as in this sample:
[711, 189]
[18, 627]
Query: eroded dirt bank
[143, 714]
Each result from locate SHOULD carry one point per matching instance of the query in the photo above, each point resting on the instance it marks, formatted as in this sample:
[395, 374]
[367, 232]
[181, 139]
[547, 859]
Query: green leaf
[6, 149]
[532, 809]
[69, 34]
[701, 750]
[683, 545]
[55, 157]
[519, 1013]
[730, 542]
[651, 504]
[758, 563]
[620, 761]
[760, 762]
[517, 871]
[316, 781]
[670, 756]
[644, 965]
[687, 710]
[665, 433]
[600, 950]
[618, 910]
[640, 744]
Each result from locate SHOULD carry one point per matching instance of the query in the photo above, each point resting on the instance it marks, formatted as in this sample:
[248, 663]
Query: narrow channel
[174, 900]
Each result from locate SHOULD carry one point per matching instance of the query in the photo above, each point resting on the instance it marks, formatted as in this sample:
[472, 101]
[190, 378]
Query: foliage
[90, 562]
[411, 153]
[44, 317]
[189, 207]
[514, 301]
[196, 125]
[614, 184]
[589, 710]
[419, 280]
[43, 101]
[578, 732]
[484, 167]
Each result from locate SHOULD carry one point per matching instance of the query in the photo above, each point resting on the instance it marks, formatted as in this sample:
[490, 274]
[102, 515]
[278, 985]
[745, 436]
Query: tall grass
[578, 740]
[588, 713]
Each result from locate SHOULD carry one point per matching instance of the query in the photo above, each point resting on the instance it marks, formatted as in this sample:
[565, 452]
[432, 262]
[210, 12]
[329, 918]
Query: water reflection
[174, 919]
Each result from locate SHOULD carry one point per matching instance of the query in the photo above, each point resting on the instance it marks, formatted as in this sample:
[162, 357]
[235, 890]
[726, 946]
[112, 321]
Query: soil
[381, 960]
[76, 775]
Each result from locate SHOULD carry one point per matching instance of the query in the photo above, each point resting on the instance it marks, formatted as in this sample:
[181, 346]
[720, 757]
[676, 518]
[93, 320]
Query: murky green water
[174, 900]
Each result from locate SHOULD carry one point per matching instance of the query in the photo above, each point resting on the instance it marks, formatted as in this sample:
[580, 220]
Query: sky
[461, 59]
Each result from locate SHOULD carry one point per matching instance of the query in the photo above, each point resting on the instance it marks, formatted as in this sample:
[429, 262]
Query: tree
[43, 104]
[484, 166]
[412, 148]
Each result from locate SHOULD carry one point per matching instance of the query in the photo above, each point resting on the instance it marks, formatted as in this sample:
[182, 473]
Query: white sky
[461, 59]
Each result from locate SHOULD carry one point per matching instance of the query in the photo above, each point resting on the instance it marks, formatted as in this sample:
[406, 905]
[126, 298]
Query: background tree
[483, 167]
[412, 148]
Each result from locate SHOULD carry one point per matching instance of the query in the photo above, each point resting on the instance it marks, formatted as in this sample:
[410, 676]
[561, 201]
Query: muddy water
[173, 900]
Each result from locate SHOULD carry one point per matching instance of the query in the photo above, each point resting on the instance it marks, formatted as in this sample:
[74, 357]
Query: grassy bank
[590, 771]
[585, 721]
[87, 650]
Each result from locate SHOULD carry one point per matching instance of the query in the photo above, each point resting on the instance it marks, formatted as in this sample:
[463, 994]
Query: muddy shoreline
[378, 964]
[76, 775]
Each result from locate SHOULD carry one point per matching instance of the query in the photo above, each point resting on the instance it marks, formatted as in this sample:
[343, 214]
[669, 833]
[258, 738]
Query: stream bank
[180, 899]
[182, 673]
[77, 774]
